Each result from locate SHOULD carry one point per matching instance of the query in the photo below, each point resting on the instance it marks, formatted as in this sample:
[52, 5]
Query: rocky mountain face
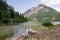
[42, 12]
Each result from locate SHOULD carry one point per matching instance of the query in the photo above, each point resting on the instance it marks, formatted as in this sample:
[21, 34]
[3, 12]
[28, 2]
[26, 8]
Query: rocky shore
[52, 34]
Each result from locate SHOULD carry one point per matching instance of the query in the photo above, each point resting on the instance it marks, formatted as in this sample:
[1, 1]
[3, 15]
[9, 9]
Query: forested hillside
[9, 15]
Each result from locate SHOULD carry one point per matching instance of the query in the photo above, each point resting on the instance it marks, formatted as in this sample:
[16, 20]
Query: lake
[20, 28]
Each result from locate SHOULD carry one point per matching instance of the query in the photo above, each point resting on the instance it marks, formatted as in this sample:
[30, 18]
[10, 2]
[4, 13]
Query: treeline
[9, 15]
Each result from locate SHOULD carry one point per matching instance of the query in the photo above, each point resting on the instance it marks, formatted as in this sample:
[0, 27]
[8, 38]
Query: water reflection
[21, 28]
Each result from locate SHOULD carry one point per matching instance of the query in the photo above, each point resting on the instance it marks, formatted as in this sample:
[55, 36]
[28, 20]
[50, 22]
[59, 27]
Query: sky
[23, 5]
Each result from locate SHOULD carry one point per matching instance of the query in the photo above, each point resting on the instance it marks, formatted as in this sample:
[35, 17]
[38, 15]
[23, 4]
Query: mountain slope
[42, 12]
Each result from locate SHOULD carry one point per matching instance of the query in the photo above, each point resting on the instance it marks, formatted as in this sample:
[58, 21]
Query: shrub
[47, 24]
[5, 20]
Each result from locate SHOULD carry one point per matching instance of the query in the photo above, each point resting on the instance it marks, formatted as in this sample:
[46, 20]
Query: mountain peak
[38, 9]
[42, 12]
[41, 5]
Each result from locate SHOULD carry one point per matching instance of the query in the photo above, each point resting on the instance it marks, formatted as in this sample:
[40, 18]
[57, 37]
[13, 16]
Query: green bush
[47, 24]
[5, 20]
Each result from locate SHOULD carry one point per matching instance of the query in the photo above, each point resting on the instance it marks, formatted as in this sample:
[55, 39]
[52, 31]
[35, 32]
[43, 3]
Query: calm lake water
[21, 28]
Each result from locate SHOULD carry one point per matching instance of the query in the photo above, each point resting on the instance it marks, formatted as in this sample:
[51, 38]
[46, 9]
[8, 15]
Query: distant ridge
[42, 12]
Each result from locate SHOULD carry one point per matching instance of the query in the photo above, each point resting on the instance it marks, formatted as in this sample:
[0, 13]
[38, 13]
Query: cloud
[52, 3]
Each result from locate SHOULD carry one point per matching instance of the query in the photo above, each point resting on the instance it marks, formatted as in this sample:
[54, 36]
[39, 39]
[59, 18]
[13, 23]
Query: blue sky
[23, 5]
